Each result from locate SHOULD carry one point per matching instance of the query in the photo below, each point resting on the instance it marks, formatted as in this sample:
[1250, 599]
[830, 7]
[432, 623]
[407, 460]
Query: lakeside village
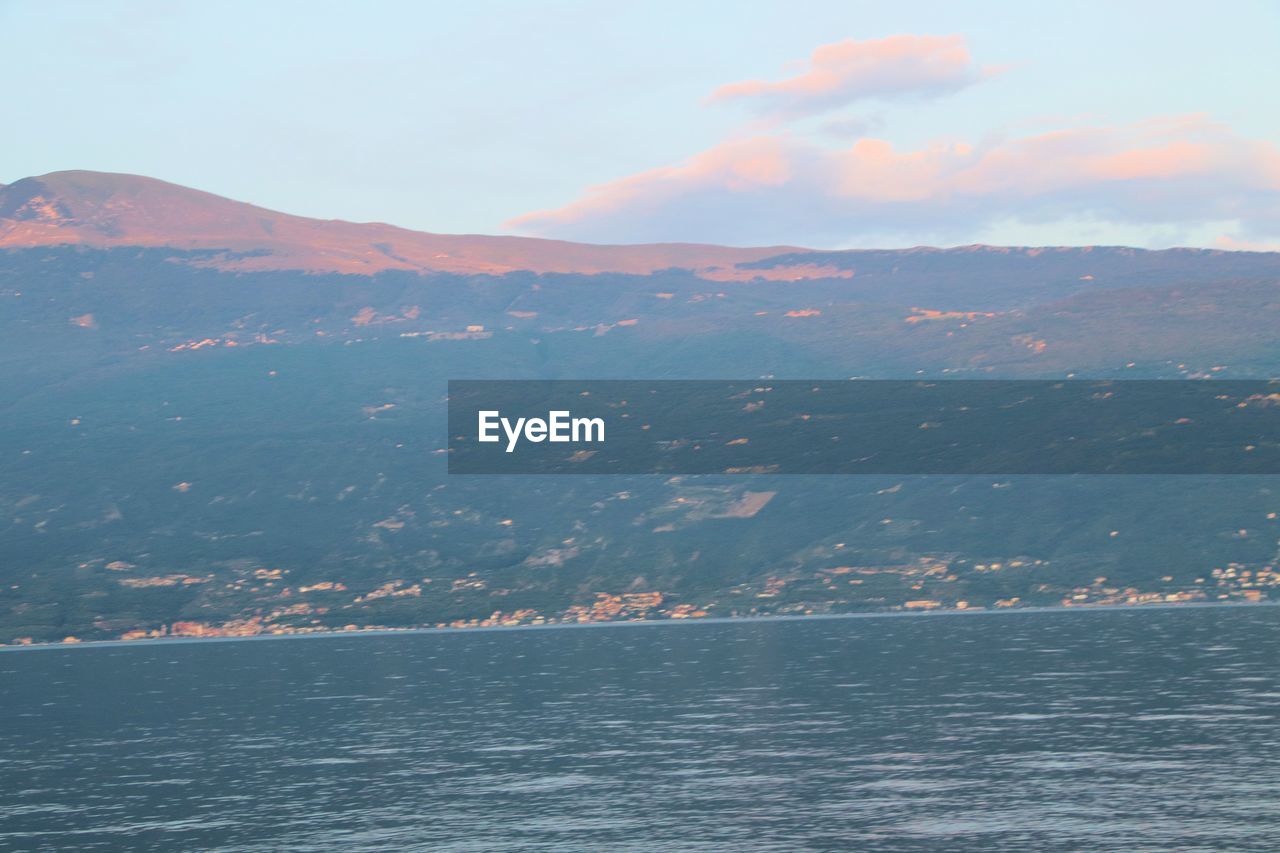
[928, 584]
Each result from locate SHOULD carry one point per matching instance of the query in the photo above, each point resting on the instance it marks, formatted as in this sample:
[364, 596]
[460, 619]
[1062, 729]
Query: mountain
[103, 210]
[217, 419]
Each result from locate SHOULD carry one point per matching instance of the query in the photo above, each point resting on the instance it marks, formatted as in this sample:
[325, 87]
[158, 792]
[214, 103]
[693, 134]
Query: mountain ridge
[102, 210]
[107, 210]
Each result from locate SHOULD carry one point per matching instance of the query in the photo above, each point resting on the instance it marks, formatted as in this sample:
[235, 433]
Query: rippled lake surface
[1125, 730]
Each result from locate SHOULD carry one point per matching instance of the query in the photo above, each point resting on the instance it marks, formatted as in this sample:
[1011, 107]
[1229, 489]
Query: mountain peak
[99, 208]
[102, 209]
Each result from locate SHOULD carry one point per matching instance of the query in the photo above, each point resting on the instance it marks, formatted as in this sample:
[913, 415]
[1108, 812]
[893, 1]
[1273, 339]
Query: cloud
[1180, 171]
[1233, 244]
[847, 71]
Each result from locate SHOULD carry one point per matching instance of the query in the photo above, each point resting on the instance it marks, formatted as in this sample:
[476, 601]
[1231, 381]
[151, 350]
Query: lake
[1080, 729]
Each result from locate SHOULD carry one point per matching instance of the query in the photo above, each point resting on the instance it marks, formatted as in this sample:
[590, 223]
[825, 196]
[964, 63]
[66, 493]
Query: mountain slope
[193, 446]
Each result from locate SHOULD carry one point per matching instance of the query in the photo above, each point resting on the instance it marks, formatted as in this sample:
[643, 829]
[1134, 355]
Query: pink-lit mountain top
[104, 210]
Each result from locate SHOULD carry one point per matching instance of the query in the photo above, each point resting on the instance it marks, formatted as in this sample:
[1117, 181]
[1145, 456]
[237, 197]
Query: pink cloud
[1182, 171]
[1232, 244]
[847, 71]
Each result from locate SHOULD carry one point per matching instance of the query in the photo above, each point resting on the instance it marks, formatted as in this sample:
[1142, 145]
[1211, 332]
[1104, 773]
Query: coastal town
[929, 584]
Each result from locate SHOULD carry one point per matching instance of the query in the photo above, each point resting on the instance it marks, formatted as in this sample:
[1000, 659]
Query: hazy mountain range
[216, 418]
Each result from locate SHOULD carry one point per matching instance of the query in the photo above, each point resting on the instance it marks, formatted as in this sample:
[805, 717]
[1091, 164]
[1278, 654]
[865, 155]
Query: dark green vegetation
[248, 452]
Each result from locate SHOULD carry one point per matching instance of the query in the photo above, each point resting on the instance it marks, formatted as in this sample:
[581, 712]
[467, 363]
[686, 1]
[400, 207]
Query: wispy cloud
[847, 71]
[1183, 171]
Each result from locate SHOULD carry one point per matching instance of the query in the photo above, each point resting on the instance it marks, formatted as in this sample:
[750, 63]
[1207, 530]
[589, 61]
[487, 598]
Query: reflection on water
[1070, 730]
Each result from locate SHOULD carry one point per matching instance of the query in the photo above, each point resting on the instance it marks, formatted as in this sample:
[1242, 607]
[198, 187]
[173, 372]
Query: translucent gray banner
[864, 427]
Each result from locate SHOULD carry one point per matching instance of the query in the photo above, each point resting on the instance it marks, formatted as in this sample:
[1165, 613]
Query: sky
[825, 123]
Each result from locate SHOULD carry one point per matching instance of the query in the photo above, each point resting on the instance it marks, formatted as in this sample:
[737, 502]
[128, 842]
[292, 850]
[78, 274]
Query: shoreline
[639, 623]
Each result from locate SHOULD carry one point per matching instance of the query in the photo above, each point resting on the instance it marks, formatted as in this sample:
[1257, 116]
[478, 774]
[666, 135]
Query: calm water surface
[1124, 730]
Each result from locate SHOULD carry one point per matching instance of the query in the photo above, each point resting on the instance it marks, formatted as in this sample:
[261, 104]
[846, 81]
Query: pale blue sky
[459, 117]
